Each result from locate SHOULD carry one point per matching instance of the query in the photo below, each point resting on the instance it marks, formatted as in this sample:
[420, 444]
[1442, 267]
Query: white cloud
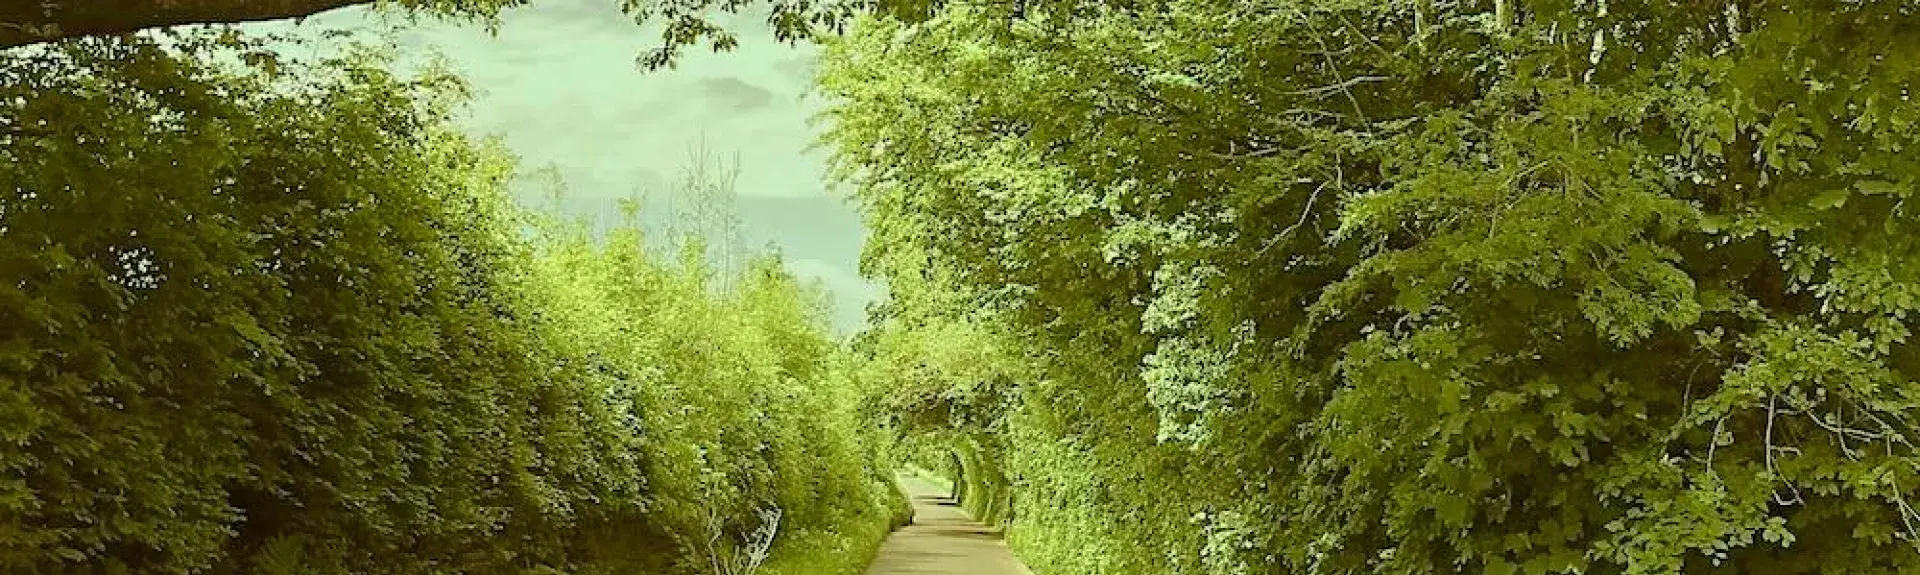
[560, 85]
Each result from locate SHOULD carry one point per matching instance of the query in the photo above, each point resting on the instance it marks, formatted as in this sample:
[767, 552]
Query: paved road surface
[943, 541]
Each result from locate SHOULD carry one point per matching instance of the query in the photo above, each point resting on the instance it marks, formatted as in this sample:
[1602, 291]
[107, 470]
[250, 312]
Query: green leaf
[1831, 199]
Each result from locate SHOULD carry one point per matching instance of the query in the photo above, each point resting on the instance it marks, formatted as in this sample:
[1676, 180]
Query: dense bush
[266, 316]
[1331, 286]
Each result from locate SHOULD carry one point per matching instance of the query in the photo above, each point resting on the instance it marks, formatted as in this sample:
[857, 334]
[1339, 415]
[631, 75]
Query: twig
[1304, 212]
[1332, 64]
[1321, 91]
[1907, 513]
[1248, 155]
[1772, 412]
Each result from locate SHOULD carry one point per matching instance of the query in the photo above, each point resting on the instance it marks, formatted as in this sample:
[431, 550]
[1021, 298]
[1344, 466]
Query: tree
[285, 317]
[1339, 286]
[702, 209]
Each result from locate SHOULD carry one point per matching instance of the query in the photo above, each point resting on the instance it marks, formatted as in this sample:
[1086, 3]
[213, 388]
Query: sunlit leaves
[282, 316]
[1534, 287]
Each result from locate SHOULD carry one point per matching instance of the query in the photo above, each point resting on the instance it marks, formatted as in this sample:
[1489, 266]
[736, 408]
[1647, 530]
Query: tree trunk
[32, 21]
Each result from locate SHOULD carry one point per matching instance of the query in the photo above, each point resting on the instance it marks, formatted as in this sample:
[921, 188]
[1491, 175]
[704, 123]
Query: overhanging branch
[25, 22]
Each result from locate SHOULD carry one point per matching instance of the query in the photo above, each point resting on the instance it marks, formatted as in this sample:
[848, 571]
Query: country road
[943, 540]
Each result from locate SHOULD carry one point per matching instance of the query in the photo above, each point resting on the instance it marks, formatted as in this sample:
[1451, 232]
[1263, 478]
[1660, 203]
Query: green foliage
[271, 316]
[1329, 286]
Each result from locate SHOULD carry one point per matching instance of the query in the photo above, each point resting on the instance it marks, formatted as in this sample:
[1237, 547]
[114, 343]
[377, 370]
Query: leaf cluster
[1329, 286]
[274, 316]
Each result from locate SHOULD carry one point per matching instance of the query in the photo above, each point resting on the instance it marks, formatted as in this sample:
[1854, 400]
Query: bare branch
[1341, 86]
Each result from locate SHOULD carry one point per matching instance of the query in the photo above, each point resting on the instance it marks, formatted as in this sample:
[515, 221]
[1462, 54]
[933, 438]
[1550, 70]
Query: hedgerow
[260, 315]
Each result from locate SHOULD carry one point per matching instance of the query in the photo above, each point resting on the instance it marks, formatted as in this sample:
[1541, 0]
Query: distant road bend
[943, 541]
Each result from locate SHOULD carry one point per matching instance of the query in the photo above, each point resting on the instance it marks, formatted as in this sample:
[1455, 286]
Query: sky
[559, 83]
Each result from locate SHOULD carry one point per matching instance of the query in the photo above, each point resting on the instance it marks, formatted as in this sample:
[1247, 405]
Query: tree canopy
[1330, 286]
[281, 316]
